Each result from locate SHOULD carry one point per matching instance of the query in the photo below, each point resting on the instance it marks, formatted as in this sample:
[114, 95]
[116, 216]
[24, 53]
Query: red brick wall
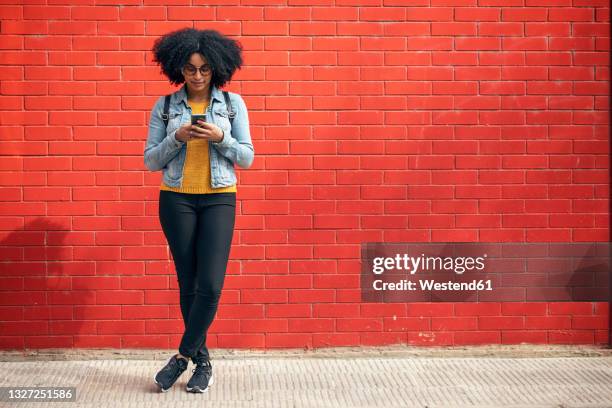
[435, 123]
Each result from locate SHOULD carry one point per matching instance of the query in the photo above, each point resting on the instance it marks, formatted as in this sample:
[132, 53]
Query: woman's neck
[203, 96]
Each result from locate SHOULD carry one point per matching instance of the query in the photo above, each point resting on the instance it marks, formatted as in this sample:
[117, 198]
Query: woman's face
[192, 71]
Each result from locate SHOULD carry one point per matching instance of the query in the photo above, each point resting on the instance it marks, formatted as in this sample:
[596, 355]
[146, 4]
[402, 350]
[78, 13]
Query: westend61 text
[430, 284]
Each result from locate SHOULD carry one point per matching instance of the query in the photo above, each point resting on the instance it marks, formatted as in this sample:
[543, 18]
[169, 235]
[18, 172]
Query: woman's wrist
[222, 136]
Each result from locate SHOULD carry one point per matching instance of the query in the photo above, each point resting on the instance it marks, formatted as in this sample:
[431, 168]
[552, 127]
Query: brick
[361, 136]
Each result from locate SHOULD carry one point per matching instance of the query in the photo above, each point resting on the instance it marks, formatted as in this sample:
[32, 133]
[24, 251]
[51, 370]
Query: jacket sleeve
[237, 145]
[160, 147]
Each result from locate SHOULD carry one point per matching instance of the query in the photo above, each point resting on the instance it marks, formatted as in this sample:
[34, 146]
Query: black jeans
[199, 230]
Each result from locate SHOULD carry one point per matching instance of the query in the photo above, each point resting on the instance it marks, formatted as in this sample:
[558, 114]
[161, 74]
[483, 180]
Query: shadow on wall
[36, 291]
[57, 291]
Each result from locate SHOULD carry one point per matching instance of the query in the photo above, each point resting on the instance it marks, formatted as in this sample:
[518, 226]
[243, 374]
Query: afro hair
[174, 49]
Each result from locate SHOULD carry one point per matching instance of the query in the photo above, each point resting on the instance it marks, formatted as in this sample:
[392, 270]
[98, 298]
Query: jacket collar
[181, 94]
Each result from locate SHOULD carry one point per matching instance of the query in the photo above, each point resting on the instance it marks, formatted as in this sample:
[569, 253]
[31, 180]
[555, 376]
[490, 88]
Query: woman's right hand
[182, 133]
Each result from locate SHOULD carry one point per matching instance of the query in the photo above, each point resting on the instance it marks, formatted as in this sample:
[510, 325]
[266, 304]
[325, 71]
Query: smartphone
[196, 117]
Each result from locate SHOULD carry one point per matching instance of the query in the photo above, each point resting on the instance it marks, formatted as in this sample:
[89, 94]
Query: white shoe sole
[198, 389]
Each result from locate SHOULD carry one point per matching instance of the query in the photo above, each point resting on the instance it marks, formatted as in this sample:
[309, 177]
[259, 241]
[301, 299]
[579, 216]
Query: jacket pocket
[174, 120]
[221, 118]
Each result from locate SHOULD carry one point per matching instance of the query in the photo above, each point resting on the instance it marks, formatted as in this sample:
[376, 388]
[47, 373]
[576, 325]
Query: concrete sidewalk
[491, 376]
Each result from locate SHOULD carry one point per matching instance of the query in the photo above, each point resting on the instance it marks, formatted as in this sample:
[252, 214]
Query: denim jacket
[164, 152]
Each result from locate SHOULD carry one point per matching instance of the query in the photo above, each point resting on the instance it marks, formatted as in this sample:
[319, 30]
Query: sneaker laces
[180, 366]
[183, 364]
[202, 367]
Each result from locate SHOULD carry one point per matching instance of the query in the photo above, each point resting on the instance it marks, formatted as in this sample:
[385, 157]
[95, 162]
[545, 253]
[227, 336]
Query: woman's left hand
[205, 130]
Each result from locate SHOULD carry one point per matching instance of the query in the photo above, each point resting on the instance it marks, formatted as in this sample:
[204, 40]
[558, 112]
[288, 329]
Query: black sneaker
[202, 377]
[167, 376]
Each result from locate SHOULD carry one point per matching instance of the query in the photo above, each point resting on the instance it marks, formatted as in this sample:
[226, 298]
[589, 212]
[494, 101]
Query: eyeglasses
[191, 70]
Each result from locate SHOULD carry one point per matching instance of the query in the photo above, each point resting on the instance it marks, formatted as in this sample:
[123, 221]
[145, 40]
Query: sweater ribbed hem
[199, 190]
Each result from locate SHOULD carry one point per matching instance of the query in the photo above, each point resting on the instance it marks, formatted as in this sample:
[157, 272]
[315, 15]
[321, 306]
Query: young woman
[197, 198]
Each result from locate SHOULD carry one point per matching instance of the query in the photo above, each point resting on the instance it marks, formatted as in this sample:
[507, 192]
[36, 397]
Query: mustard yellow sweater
[196, 173]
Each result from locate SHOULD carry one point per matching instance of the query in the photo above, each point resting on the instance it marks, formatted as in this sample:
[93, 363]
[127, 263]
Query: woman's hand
[204, 130]
[182, 133]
